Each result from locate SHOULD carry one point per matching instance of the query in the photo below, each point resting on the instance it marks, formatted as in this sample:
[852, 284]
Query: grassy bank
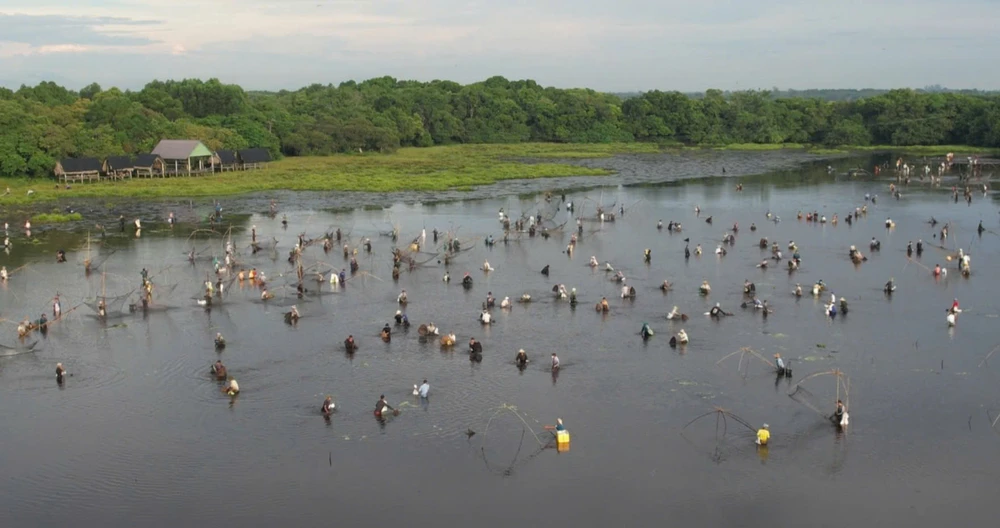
[577, 150]
[753, 147]
[410, 169]
[914, 150]
[929, 150]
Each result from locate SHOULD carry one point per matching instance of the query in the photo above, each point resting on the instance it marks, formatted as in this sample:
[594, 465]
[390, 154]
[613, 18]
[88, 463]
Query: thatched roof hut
[148, 165]
[118, 166]
[254, 158]
[78, 169]
[227, 160]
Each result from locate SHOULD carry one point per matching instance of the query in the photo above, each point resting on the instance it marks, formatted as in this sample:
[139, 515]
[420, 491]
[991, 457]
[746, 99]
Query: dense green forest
[41, 124]
[834, 94]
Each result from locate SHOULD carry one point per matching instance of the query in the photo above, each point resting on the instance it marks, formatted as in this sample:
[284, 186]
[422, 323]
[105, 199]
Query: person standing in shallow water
[475, 349]
[521, 359]
[381, 405]
[763, 435]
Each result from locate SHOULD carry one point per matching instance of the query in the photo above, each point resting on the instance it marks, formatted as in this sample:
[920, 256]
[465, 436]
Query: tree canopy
[43, 123]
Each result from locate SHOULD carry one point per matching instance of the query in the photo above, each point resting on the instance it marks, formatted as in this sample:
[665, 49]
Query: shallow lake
[140, 433]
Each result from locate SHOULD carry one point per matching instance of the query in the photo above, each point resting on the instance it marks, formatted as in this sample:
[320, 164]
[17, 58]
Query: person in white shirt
[232, 388]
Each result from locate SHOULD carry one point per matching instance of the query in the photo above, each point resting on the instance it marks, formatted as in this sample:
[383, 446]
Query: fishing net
[15, 350]
[822, 390]
[994, 420]
[164, 290]
[113, 305]
[721, 429]
[96, 263]
[747, 357]
[508, 441]
[809, 400]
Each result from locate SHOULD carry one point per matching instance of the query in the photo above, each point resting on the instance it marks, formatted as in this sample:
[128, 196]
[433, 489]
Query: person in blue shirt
[559, 425]
[424, 389]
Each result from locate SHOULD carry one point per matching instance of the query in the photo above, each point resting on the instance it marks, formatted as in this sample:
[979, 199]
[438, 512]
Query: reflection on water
[140, 432]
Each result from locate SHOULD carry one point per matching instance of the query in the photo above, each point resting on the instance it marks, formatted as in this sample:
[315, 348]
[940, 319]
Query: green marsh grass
[56, 217]
[409, 169]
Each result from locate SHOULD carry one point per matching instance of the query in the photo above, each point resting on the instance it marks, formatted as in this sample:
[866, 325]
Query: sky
[609, 45]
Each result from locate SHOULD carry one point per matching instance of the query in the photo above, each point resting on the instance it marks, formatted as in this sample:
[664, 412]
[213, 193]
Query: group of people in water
[254, 278]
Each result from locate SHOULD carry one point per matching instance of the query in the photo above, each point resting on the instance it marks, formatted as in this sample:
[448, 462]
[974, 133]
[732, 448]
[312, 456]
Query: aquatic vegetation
[926, 150]
[823, 151]
[814, 358]
[579, 150]
[56, 217]
[761, 146]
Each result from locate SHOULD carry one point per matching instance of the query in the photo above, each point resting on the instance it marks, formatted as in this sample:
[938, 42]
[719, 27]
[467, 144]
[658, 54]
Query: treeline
[41, 124]
[848, 94]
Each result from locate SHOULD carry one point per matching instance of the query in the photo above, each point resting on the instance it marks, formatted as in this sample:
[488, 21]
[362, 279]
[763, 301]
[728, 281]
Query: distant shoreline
[440, 168]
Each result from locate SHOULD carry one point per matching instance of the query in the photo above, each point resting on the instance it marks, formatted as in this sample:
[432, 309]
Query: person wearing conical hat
[521, 359]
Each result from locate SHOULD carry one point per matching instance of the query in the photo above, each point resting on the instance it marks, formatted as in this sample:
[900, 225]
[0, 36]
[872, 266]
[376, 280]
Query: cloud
[621, 45]
[49, 30]
[62, 48]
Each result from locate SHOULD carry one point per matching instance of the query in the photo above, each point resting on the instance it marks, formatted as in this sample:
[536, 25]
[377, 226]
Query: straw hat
[520, 351]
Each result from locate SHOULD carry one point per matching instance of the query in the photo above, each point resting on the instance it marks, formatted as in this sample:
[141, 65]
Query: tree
[89, 91]
[849, 130]
[48, 93]
[40, 124]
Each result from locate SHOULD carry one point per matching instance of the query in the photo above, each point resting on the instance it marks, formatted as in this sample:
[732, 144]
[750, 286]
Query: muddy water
[141, 434]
